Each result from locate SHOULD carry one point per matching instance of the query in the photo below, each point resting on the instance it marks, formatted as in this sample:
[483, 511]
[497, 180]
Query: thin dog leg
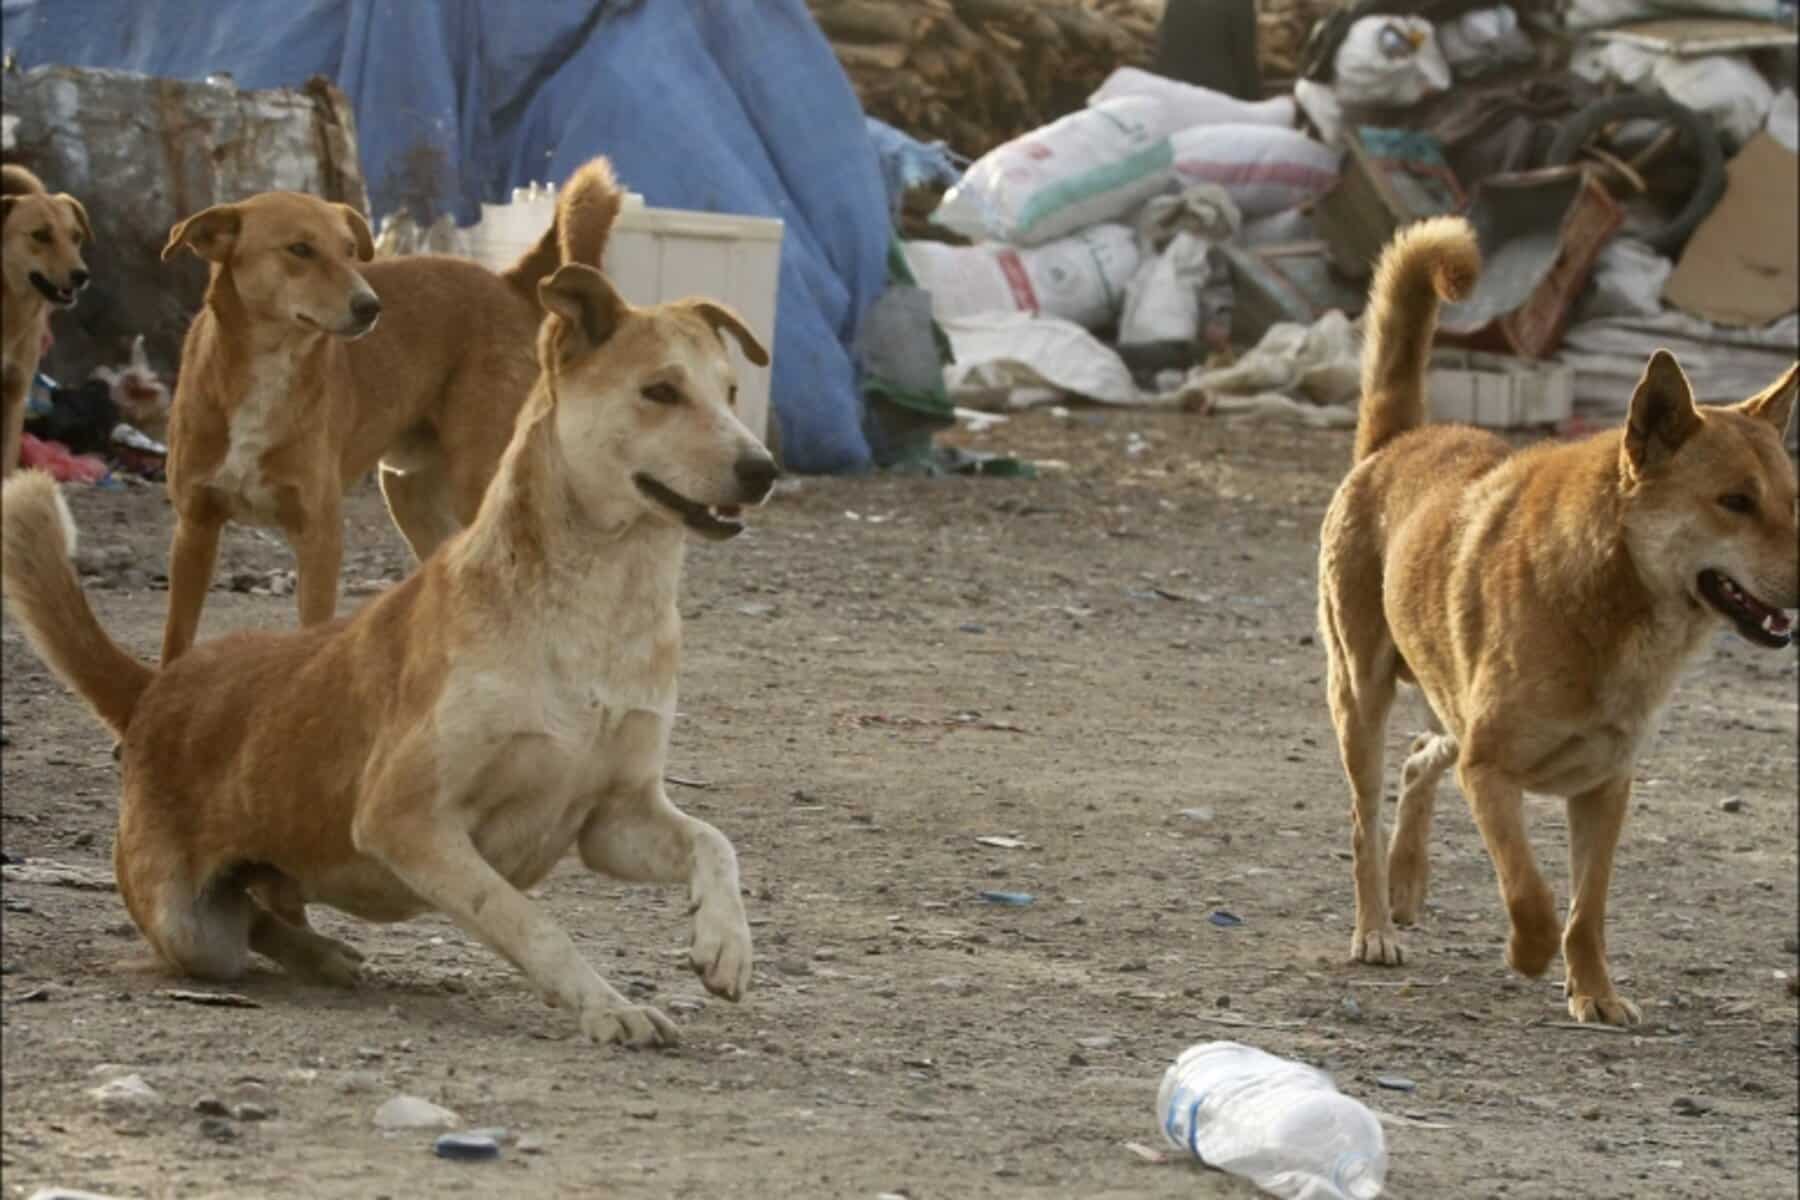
[1499, 807]
[1595, 820]
[1409, 854]
[408, 835]
[649, 840]
[17, 385]
[1359, 710]
[192, 556]
[319, 547]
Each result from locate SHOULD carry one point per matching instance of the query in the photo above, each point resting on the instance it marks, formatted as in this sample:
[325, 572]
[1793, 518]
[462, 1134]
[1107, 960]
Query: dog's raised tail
[586, 208]
[1433, 260]
[43, 594]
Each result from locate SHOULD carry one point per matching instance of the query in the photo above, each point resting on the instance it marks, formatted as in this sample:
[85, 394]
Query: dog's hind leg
[1362, 677]
[418, 499]
[646, 839]
[1409, 854]
[280, 931]
[200, 927]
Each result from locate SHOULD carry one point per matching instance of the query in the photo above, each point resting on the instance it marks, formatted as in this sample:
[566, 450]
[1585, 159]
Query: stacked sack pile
[1108, 222]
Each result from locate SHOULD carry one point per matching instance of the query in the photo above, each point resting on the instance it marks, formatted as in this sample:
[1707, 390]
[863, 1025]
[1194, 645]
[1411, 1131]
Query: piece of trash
[212, 999]
[466, 1147]
[1149, 1154]
[681, 781]
[1201, 814]
[1224, 919]
[1395, 1083]
[1015, 899]
[1003, 843]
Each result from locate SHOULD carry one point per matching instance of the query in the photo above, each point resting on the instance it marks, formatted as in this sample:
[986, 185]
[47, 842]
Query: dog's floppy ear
[80, 213]
[1662, 415]
[359, 229]
[587, 304]
[209, 234]
[720, 317]
[1775, 403]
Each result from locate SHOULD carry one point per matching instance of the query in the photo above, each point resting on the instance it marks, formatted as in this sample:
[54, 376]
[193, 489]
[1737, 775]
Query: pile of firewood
[975, 73]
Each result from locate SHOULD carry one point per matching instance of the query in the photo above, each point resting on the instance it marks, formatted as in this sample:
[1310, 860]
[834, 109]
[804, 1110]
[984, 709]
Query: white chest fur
[255, 424]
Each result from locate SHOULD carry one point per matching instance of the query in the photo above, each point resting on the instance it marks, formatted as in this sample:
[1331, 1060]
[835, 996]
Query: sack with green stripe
[1098, 164]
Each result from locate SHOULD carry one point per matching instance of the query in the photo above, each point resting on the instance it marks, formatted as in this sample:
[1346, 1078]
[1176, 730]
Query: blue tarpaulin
[731, 106]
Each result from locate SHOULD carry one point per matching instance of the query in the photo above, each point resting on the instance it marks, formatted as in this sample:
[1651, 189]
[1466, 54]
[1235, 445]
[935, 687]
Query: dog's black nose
[78, 279]
[757, 473]
[365, 308]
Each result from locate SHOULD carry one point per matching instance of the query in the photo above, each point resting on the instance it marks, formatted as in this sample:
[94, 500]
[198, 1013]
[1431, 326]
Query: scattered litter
[683, 781]
[1224, 919]
[1395, 1083]
[466, 1147]
[1202, 814]
[1150, 1155]
[212, 999]
[1004, 843]
[1732, 804]
[1011, 899]
[412, 1112]
[1407, 1122]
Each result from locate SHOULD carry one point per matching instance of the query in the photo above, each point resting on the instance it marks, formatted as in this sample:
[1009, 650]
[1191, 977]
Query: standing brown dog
[43, 270]
[1543, 600]
[290, 391]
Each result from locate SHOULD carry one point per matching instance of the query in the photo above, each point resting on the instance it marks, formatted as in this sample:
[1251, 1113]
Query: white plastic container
[1280, 1124]
[659, 254]
[1494, 391]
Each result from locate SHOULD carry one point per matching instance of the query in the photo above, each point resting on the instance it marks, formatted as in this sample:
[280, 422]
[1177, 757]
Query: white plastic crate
[1497, 392]
[659, 254]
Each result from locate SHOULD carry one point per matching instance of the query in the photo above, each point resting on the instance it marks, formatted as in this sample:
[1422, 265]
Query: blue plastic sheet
[732, 106]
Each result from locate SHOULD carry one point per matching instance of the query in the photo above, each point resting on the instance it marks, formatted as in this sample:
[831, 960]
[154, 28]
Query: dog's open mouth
[61, 297]
[715, 521]
[1755, 621]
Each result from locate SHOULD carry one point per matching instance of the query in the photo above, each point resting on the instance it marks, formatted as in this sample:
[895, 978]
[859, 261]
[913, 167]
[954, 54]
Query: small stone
[1097, 1042]
[466, 1147]
[1691, 1106]
[63, 1193]
[412, 1112]
[530, 1145]
[1351, 1010]
[211, 1106]
[972, 627]
[128, 1094]
[218, 1129]
[793, 966]
[355, 1083]
[1077, 1059]
[641, 1113]
[1202, 814]
[250, 1111]
[1732, 804]
[1396, 1083]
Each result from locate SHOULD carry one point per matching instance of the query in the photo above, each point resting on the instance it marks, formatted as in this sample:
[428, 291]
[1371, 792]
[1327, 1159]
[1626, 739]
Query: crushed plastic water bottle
[1282, 1125]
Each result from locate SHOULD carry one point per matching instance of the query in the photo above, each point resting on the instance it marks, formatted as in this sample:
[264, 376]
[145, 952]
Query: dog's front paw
[1530, 948]
[629, 1025]
[720, 953]
[1610, 1009]
[1379, 946]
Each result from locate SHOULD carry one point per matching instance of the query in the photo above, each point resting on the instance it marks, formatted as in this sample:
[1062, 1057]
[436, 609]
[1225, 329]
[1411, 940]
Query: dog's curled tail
[586, 208]
[37, 540]
[1436, 259]
[17, 181]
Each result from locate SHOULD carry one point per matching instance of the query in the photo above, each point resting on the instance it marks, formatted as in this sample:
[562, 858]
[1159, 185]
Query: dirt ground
[1114, 664]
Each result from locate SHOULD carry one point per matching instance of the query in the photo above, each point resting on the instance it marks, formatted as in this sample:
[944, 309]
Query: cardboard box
[1742, 265]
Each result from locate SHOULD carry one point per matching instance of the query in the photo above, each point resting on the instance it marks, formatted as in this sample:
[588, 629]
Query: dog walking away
[311, 366]
[43, 269]
[444, 747]
[1543, 600]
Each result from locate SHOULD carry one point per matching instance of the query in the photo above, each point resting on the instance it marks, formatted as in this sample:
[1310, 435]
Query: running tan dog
[43, 270]
[447, 745]
[283, 403]
[1543, 600]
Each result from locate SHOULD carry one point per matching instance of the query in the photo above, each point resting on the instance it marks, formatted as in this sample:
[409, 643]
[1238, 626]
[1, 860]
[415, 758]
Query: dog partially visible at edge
[447, 745]
[43, 269]
[1544, 601]
[311, 366]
